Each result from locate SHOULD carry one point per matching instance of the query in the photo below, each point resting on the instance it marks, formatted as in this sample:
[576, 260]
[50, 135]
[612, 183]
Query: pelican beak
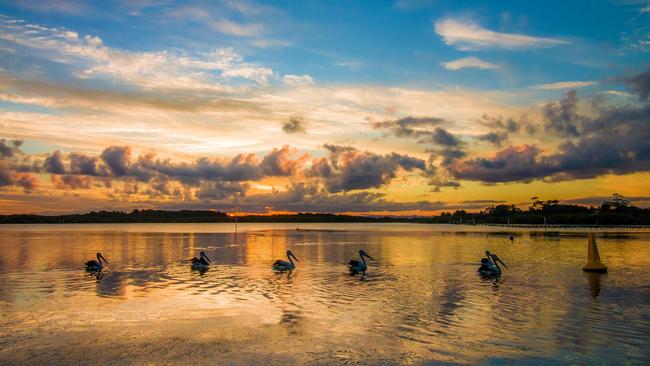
[500, 261]
[370, 257]
[102, 257]
[207, 259]
[294, 257]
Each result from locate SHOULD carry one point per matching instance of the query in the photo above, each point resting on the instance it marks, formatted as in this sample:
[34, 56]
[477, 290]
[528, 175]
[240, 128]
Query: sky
[408, 107]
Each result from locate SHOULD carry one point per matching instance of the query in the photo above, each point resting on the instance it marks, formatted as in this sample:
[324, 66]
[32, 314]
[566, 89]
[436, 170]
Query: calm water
[421, 301]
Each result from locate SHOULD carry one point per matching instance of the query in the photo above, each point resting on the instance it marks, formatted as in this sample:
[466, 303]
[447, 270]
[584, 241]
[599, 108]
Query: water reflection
[421, 300]
[594, 282]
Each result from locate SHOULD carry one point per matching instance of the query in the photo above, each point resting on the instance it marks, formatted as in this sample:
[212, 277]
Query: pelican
[359, 266]
[512, 238]
[96, 265]
[281, 265]
[490, 265]
[202, 262]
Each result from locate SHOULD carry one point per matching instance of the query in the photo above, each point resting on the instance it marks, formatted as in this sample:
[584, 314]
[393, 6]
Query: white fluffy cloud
[466, 35]
[469, 62]
[297, 80]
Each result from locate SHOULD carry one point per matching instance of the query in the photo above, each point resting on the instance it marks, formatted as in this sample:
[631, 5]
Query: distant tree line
[614, 211]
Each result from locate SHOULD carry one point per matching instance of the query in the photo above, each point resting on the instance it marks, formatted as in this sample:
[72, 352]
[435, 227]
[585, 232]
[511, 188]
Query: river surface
[420, 302]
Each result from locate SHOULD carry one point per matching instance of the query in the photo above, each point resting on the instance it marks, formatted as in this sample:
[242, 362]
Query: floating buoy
[593, 257]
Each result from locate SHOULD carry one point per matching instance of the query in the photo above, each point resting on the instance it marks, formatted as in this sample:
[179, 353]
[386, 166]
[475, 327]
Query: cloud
[495, 138]
[425, 129]
[564, 85]
[466, 36]
[85, 165]
[297, 80]
[304, 197]
[54, 163]
[215, 21]
[614, 142]
[295, 124]
[469, 62]
[346, 168]
[278, 162]
[221, 190]
[72, 181]
[562, 117]
[640, 84]
[9, 149]
[118, 159]
[514, 163]
[89, 57]
[10, 177]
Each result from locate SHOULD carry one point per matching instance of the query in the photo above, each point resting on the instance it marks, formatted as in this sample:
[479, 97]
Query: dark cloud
[294, 125]
[85, 165]
[507, 124]
[54, 163]
[495, 138]
[221, 190]
[346, 168]
[6, 173]
[72, 181]
[117, 158]
[9, 149]
[640, 84]
[562, 117]
[240, 168]
[426, 129]
[447, 154]
[278, 162]
[439, 136]
[617, 141]
[514, 163]
[9, 177]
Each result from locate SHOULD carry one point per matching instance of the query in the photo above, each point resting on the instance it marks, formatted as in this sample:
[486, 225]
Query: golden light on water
[421, 299]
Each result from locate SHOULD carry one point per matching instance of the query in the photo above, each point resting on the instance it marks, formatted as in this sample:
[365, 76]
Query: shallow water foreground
[421, 301]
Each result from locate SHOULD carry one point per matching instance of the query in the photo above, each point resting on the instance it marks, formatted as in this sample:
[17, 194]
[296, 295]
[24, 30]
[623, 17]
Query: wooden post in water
[593, 257]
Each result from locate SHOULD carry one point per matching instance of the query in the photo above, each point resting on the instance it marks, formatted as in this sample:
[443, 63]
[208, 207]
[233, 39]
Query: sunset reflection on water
[420, 301]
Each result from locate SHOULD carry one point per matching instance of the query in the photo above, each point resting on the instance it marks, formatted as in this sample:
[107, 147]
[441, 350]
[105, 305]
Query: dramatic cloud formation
[469, 62]
[615, 141]
[279, 163]
[562, 117]
[346, 168]
[467, 36]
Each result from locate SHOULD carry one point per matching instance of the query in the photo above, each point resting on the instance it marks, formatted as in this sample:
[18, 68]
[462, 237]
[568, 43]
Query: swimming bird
[202, 262]
[359, 266]
[281, 265]
[490, 265]
[512, 238]
[96, 265]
